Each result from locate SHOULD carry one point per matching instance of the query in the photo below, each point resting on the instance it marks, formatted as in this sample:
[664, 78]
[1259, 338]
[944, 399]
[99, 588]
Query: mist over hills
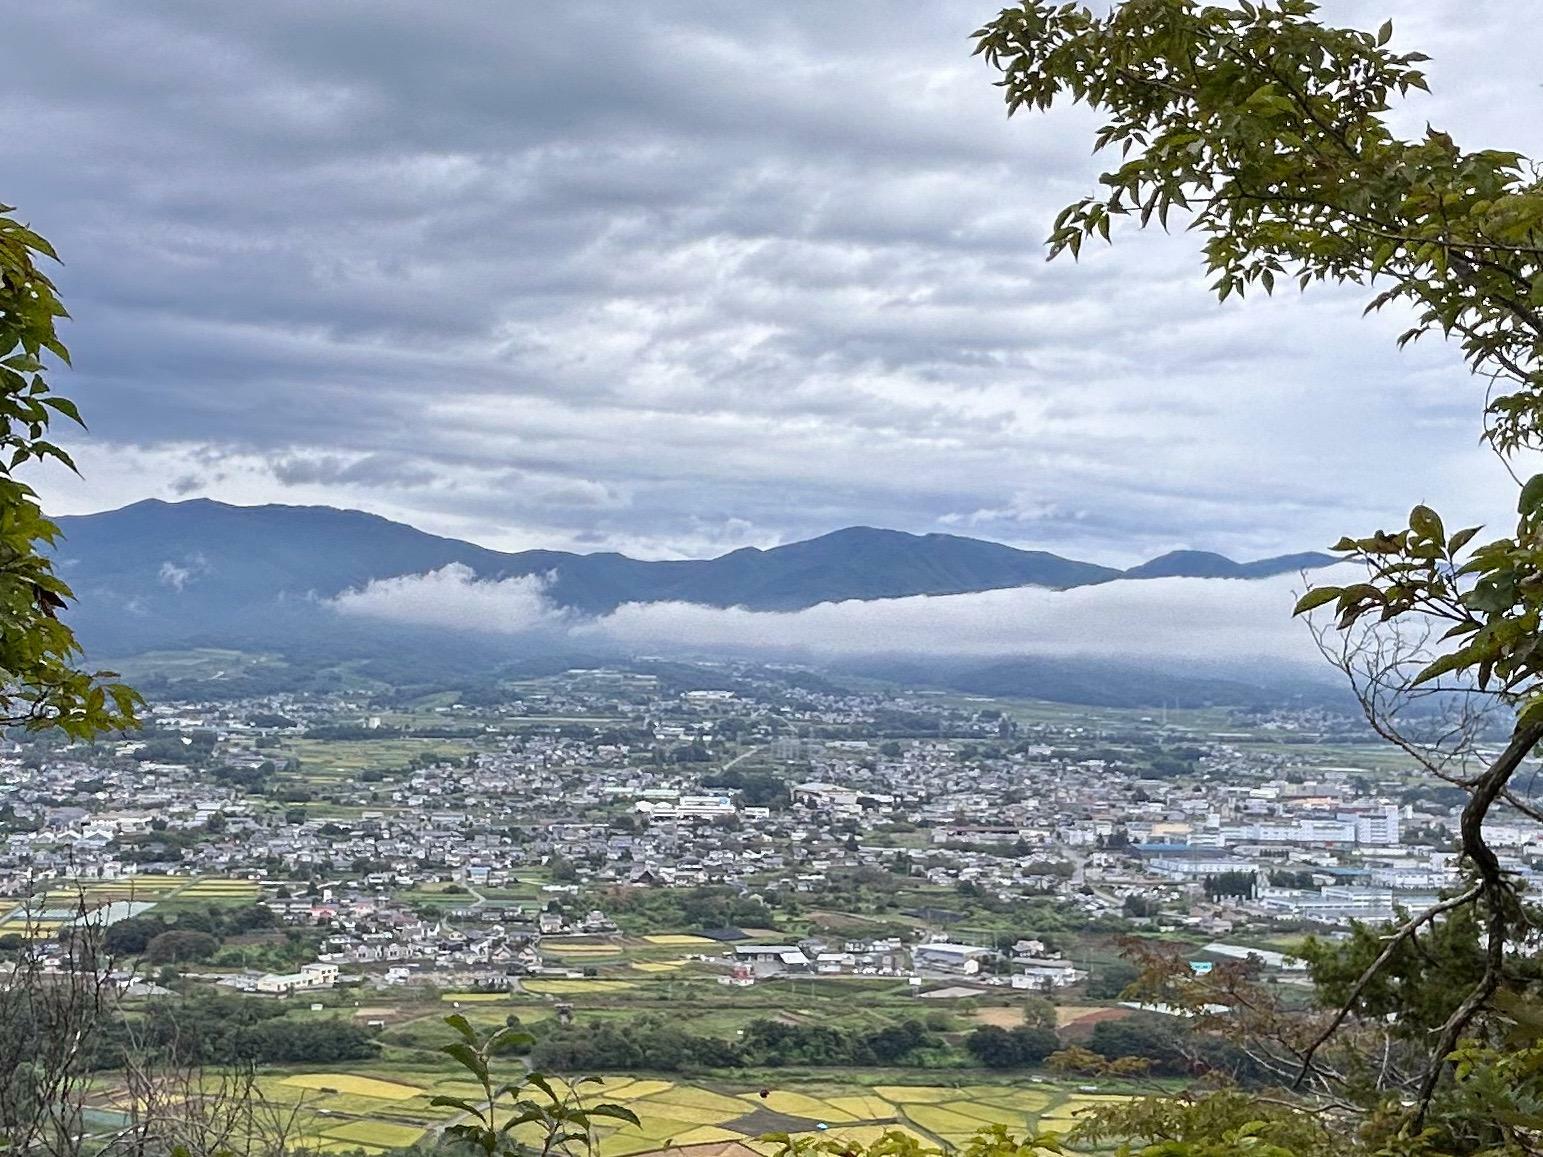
[159, 576]
[201, 556]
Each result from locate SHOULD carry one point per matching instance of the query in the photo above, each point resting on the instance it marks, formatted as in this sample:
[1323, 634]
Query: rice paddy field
[335, 1111]
[561, 987]
[43, 914]
[30, 927]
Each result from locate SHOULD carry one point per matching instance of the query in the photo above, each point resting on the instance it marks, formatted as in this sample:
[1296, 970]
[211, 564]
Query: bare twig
[1408, 929]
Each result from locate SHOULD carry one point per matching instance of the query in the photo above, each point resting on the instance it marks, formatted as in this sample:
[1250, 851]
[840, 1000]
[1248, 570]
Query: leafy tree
[1417, 987]
[282, 1039]
[210, 1028]
[41, 684]
[755, 788]
[774, 1043]
[1001, 1048]
[640, 1042]
[992, 1046]
[1155, 1039]
[175, 946]
[1110, 980]
[1141, 906]
[1039, 1012]
[1284, 878]
[1266, 131]
[892, 1044]
[132, 936]
[1242, 884]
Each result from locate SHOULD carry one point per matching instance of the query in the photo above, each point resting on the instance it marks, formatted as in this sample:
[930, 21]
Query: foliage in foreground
[1265, 130]
[41, 684]
[527, 1113]
[996, 1141]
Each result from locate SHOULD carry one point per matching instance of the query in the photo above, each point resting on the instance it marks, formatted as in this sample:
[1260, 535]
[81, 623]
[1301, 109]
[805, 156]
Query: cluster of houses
[969, 800]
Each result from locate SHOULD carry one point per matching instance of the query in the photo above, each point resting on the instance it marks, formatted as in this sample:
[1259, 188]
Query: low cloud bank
[453, 598]
[1211, 622]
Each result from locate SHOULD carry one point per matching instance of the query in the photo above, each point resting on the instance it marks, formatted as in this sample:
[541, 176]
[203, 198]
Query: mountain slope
[862, 562]
[1205, 564]
[158, 574]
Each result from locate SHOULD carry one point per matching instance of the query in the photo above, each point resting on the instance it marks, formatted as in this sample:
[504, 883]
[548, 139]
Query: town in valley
[705, 880]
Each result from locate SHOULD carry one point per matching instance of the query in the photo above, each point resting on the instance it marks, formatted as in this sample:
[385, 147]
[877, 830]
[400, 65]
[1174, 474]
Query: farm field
[390, 1109]
[560, 987]
[325, 760]
[42, 914]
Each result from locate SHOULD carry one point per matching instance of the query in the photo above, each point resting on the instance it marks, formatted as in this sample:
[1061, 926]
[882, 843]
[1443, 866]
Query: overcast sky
[674, 278]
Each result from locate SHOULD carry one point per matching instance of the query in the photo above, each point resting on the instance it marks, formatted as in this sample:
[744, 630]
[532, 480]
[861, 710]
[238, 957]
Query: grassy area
[199, 663]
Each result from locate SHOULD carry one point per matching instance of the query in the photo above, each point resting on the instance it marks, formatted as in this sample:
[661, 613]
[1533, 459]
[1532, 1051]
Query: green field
[198, 664]
[327, 760]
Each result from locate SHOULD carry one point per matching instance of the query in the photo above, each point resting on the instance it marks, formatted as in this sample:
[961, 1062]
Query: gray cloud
[676, 278]
[185, 484]
[371, 470]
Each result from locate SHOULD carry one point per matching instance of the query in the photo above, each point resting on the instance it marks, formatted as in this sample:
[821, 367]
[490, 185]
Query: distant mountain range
[1204, 564]
[159, 575]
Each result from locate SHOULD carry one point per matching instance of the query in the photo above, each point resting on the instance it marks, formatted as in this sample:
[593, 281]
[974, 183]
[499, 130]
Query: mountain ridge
[158, 573]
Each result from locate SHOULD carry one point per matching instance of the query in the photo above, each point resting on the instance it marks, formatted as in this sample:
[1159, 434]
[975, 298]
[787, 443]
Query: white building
[1199, 869]
[702, 807]
[765, 958]
[310, 978]
[1046, 972]
[1380, 828]
[825, 795]
[1333, 904]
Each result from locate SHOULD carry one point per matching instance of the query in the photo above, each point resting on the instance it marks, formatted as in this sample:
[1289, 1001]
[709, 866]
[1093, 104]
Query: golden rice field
[348, 1110]
[357, 1085]
[30, 929]
[677, 940]
[74, 895]
[934, 1115]
[374, 1134]
[148, 883]
[563, 987]
[220, 890]
[69, 893]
